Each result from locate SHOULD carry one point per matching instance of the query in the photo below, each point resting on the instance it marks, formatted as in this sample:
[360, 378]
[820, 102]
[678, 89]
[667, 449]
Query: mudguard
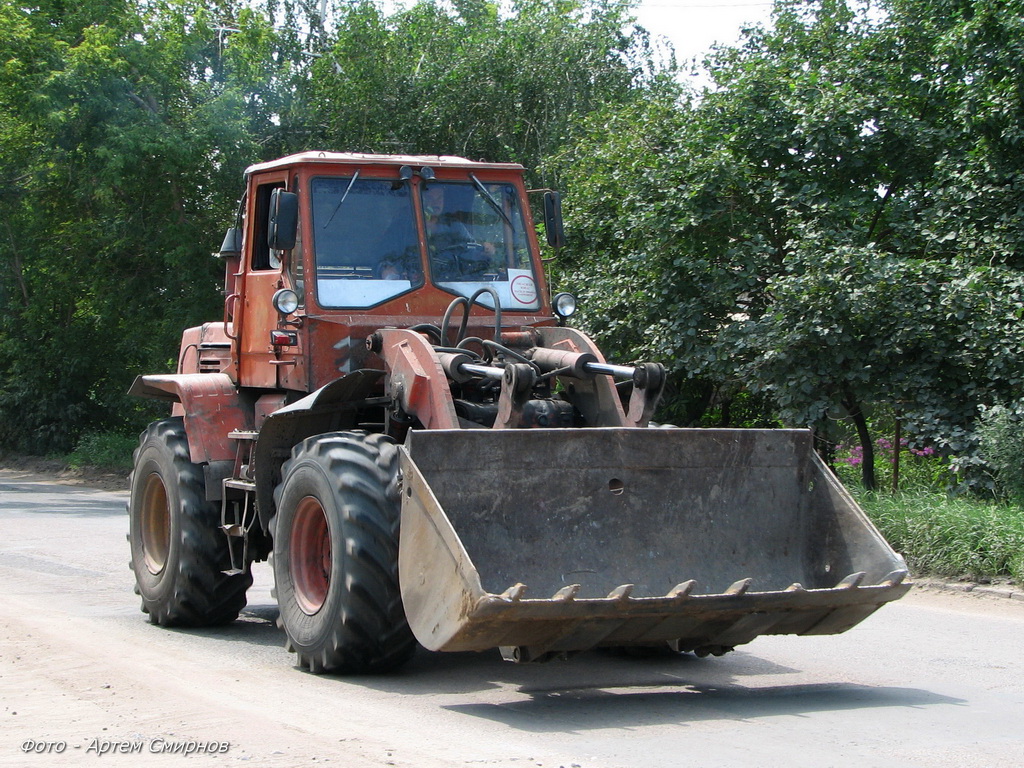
[326, 410]
[210, 405]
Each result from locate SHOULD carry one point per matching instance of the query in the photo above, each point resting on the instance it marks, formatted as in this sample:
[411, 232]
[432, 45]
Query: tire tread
[371, 634]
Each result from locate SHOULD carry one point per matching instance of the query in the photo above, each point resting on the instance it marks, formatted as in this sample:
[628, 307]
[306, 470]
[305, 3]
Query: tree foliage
[834, 227]
[836, 224]
[124, 130]
[476, 82]
[125, 126]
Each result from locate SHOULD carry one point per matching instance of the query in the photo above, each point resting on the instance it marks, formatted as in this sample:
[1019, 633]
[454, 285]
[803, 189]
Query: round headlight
[564, 304]
[285, 301]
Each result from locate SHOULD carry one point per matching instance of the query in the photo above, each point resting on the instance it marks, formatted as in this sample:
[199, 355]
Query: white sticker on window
[524, 290]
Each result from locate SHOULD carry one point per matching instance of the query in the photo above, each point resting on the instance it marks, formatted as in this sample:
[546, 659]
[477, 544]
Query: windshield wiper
[340, 202]
[491, 200]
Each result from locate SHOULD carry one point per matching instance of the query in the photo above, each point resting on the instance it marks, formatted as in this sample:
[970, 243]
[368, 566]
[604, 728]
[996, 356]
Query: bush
[921, 469]
[1001, 436]
[107, 450]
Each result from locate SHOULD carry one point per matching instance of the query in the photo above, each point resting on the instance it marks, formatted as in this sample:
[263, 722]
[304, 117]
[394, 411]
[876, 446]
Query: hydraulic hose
[430, 329]
[467, 306]
[457, 302]
[497, 308]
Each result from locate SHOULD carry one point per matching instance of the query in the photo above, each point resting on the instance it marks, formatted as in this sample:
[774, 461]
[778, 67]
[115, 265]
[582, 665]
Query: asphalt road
[934, 680]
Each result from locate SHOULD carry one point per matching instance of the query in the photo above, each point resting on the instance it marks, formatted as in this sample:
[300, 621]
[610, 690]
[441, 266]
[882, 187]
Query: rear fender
[210, 405]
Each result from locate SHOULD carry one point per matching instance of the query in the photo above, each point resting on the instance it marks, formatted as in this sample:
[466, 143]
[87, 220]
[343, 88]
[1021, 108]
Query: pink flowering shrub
[921, 468]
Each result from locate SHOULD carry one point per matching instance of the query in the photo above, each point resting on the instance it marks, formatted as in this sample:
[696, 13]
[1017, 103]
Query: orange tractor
[394, 409]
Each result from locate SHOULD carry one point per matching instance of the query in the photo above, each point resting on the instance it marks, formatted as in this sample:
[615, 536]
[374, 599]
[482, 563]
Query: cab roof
[350, 158]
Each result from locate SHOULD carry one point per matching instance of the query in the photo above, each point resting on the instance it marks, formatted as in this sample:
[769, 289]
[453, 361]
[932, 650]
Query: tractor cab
[342, 245]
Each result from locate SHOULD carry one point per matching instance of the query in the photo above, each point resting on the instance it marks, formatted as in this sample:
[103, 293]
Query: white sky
[693, 26]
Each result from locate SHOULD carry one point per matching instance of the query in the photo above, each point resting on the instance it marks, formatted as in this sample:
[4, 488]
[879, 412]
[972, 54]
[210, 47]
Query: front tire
[336, 555]
[178, 551]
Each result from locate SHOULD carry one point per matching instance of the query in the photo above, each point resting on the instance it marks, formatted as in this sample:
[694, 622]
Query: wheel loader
[395, 412]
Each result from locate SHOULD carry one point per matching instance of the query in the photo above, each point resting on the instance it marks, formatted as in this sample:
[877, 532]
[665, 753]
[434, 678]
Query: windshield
[367, 251]
[364, 241]
[476, 239]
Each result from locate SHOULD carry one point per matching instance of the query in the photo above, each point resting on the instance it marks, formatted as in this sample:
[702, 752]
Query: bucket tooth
[852, 581]
[683, 589]
[796, 586]
[712, 650]
[739, 587]
[894, 579]
[514, 593]
[621, 593]
[565, 594]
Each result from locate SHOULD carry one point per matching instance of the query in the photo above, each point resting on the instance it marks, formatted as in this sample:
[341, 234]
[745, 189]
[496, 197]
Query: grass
[952, 537]
[103, 450]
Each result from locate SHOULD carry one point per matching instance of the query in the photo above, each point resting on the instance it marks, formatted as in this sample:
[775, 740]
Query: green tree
[125, 129]
[835, 224]
[125, 126]
[476, 82]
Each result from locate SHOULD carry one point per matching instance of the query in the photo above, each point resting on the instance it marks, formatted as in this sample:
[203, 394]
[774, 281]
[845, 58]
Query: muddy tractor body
[391, 411]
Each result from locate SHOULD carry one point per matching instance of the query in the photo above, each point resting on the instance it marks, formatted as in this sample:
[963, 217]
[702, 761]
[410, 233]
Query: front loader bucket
[546, 541]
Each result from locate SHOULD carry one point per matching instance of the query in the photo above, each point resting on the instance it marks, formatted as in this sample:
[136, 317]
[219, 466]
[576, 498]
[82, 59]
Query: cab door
[259, 361]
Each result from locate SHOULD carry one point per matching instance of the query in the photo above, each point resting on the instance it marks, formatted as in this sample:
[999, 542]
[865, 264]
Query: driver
[454, 254]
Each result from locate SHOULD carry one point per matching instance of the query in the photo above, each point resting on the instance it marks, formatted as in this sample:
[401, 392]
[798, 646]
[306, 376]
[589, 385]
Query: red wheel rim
[310, 554]
[155, 524]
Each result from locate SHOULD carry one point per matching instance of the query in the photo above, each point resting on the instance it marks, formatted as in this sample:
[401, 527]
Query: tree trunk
[867, 467]
[16, 267]
[896, 444]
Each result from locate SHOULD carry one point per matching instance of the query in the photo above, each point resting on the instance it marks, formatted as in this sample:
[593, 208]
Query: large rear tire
[336, 555]
[179, 552]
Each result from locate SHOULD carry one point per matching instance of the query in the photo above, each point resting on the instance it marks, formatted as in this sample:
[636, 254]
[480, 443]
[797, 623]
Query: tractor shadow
[601, 689]
[597, 689]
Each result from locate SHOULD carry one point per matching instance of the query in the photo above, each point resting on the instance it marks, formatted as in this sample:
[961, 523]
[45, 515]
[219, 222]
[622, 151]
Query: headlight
[285, 301]
[564, 305]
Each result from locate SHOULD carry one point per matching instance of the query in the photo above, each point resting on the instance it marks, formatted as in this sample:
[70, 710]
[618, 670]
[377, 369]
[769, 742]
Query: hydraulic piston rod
[619, 371]
[461, 367]
[482, 370]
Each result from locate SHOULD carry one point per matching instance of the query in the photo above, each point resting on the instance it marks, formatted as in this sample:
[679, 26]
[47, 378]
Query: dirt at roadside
[55, 471]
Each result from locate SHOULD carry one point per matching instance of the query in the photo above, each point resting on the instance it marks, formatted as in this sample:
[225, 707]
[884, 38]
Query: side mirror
[231, 252]
[283, 221]
[231, 248]
[553, 219]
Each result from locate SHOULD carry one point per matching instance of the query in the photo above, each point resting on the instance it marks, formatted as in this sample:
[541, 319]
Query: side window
[262, 258]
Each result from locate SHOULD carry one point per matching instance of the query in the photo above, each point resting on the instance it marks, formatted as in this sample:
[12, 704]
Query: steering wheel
[460, 261]
[450, 263]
